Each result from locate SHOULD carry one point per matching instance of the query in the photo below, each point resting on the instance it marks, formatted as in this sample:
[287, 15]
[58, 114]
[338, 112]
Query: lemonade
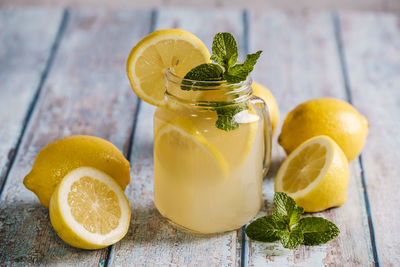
[208, 180]
[212, 137]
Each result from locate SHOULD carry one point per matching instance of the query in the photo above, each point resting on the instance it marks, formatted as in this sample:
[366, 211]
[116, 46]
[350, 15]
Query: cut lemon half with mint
[89, 210]
[196, 155]
[152, 56]
[316, 175]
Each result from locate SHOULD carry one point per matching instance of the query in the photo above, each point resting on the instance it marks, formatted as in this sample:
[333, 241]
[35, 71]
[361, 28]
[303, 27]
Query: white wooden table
[62, 72]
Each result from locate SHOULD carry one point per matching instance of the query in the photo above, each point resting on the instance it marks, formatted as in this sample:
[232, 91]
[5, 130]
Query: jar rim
[196, 85]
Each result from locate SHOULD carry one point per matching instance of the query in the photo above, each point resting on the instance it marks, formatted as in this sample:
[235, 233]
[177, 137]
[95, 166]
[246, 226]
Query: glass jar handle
[267, 130]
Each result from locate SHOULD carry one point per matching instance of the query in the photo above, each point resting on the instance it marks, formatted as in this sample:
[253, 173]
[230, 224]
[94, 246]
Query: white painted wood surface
[86, 92]
[301, 62]
[372, 51]
[25, 49]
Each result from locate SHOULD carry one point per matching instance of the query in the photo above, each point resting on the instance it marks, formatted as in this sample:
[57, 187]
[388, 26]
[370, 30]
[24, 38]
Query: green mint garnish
[292, 238]
[226, 120]
[239, 72]
[265, 229]
[286, 226]
[317, 230]
[225, 54]
[286, 209]
[225, 51]
[203, 72]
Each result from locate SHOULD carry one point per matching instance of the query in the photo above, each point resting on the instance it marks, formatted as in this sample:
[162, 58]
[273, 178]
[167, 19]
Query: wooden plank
[372, 5]
[25, 47]
[301, 62]
[372, 52]
[151, 240]
[87, 92]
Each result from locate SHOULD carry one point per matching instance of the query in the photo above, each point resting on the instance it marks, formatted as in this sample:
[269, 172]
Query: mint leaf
[286, 209]
[225, 53]
[203, 72]
[284, 225]
[226, 113]
[224, 50]
[317, 230]
[239, 72]
[264, 229]
[291, 239]
[295, 216]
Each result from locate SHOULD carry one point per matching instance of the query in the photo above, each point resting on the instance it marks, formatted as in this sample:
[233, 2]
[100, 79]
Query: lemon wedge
[316, 175]
[89, 210]
[158, 51]
[193, 152]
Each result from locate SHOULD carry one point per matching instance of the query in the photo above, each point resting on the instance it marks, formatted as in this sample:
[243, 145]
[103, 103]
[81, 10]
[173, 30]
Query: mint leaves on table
[284, 224]
[225, 68]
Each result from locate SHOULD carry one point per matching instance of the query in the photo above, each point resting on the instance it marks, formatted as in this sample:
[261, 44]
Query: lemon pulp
[89, 210]
[94, 205]
[316, 175]
[153, 55]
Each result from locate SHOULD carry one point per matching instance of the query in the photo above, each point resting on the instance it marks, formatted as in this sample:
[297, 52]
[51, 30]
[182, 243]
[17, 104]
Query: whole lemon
[325, 116]
[266, 95]
[60, 157]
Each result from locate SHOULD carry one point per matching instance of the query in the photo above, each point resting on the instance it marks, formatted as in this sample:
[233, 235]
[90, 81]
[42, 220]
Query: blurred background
[373, 5]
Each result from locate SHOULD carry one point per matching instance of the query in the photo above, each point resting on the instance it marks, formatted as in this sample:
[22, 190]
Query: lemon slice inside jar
[183, 150]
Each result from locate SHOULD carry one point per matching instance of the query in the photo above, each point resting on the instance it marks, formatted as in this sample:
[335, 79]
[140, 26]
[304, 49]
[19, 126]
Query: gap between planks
[110, 249]
[346, 83]
[32, 105]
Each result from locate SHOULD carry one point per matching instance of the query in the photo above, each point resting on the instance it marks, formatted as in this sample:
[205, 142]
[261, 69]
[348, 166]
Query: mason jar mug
[212, 146]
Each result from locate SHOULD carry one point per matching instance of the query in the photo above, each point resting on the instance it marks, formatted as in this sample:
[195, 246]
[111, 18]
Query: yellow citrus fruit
[60, 157]
[196, 152]
[89, 210]
[152, 56]
[266, 95]
[325, 116]
[316, 175]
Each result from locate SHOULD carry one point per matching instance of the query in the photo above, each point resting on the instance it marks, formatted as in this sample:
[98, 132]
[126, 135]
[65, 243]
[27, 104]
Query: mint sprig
[203, 72]
[286, 226]
[239, 72]
[225, 51]
[225, 54]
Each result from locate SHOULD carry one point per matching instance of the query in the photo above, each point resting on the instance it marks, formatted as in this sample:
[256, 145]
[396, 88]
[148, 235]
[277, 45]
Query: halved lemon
[316, 175]
[182, 149]
[158, 51]
[60, 157]
[89, 210]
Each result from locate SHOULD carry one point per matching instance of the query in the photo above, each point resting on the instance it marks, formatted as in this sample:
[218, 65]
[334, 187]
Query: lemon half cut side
[89, 210]
[316, 175]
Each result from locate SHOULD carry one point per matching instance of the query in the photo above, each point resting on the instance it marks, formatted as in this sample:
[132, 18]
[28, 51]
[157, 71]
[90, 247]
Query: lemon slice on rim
[191, 150]
[316, 175]
[89, 210]
[158, 51]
